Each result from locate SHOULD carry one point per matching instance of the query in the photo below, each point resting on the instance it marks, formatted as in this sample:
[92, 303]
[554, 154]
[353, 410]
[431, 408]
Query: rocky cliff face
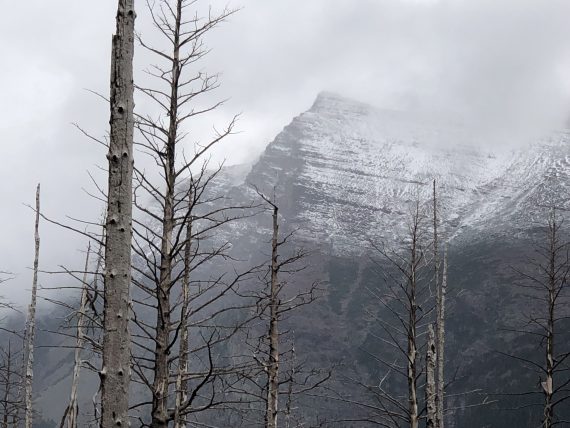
[348, 172]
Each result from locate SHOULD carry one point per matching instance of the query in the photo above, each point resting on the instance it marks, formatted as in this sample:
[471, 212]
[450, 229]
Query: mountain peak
[328, 101]
[352, 170]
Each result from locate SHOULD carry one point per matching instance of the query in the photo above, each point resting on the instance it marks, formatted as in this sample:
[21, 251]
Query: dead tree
[440, 343]
[546, 284]
[10, 381]
[272, 366]
[413, 321]
[179, 214]
[71, 412]
[181, 377]
[31, 323]
[440, 284]
[406, 308]
[431, 358]
[276, 372]
[116, 372]
[84, 324]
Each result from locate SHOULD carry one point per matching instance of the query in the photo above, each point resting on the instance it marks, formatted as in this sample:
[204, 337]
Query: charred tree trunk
[31, 331]
[273, 366]
[115, 373]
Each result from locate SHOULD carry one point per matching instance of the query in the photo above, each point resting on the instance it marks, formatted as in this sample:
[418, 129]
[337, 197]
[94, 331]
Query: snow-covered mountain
[347, 171]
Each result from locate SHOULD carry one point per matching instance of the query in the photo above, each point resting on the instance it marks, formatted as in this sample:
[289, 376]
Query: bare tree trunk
[412, 371]
[440, 325]
[430, 379]
[115, 373]
[31, 333]
[548, 384]
[6, 398]
[163, 321]
[6, 391]
[273, 366]
[439, 401]
[71, 413]
[289, 405]
[547, 278]
[22, 384]
[412, 324]
[181, 382]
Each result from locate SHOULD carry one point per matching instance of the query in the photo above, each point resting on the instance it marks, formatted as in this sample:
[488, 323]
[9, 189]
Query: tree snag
[115, 373]
[31, 330]
[72, 411]
[430, 379]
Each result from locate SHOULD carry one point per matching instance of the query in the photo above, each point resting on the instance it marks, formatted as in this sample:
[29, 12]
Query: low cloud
[501, 66]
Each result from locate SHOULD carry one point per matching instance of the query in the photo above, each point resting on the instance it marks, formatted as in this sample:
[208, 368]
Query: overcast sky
[501, 64]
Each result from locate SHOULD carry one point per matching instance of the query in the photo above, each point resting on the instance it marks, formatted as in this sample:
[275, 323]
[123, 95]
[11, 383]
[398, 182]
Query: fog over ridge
[500, 67]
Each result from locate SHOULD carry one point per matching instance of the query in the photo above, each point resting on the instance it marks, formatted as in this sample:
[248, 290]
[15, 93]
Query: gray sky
[502, 65]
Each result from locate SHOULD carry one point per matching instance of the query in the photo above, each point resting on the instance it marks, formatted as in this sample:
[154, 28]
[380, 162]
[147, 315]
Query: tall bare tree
[181, 376]
[116, 372]
[430, 388]
[11, 368]
[277, 373]
[405, 311]
[546, 283]
[440, 343]
[10, 381]
[31, 323]
[272, 366]
[70, 417]
[440, 285]
[179, 214]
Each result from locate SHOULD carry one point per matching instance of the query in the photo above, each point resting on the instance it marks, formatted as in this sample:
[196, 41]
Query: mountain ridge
[346, 166]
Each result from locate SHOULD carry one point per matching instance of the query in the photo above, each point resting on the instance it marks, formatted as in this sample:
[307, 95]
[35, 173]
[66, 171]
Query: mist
[501, 68]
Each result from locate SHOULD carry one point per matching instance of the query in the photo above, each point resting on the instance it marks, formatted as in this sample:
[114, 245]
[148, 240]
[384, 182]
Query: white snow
[364, 167]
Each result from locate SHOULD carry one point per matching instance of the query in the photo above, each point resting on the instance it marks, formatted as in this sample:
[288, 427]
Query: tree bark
[439, 401]
[8, 378]
[273, 366]
[160, 415]
[31, 331]
[412, 324]
[440, 326]
[548, 384]
[289, 404]
[181, 382]
[71, 413]
[115, 373]
[430, 379]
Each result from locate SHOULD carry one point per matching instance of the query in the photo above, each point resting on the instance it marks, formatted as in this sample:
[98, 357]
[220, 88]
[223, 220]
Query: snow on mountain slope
[346, 172]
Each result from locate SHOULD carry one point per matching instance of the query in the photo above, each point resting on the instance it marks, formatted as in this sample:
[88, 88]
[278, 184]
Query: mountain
[345, 176]
[347, 171]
